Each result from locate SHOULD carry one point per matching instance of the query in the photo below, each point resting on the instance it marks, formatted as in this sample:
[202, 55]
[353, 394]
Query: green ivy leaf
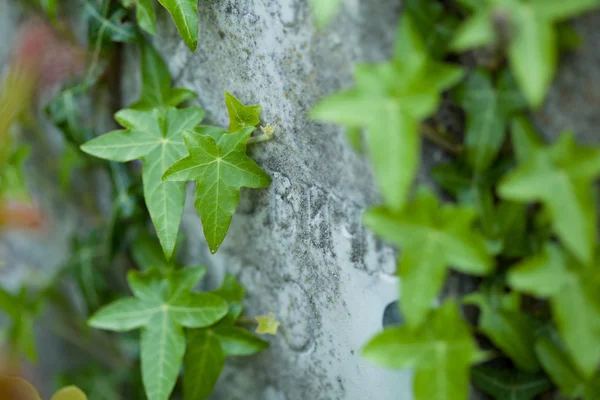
[324, 11]
[241, 116]
[156, 138]
[431, 238]
[220, 168]
[185, 16]
[156, 82]
[558, 365]
[203, 364]
[509, 329]
[559, 177]
[488, 106]
[532, 50]
[389, 100]
[569, 286]
[145, 14]
[208, 347]
[509, 385]
[440, 352]
[162, 306]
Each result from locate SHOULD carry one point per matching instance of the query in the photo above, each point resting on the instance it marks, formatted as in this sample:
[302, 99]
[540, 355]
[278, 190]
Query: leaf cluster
[524, 218]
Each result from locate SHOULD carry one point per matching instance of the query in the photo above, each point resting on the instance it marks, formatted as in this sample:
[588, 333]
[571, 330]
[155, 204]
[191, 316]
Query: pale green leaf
[564, 374]
[241, 116]
[69, 393]
[220, 169]
[185, 16]
[559, 177]
[557, 10]
[123, 315]
[162, 348]
[204, 361]
[525, 139]
[440, 352]
[390, 100]
[197, 310]
[509, 385]
[555, 275]
[156, 138]
[476, 31]
[324, 10]
[431, 239]
[533, 54]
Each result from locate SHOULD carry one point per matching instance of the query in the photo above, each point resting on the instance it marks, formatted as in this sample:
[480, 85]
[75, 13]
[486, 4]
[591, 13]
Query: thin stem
[441, 139]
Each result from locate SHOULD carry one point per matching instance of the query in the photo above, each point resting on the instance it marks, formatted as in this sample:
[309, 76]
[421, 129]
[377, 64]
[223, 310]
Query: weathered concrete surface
[299, 246]
[574, 101]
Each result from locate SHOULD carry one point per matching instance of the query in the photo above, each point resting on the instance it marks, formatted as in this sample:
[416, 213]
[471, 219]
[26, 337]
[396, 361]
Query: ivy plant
[525, 221]
[528, 30]
[390, 100]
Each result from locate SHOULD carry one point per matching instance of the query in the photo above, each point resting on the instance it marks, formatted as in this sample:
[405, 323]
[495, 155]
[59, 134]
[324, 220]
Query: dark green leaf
[220, 168]
[509, 385]
[203, 364]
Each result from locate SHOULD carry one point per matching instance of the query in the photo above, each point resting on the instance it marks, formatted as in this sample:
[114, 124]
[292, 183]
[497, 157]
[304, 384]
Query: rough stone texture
[574, 100]
[299, 246]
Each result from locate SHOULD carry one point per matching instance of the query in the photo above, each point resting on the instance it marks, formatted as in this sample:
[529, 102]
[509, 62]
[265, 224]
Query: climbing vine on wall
[178, 325]
[518, 214]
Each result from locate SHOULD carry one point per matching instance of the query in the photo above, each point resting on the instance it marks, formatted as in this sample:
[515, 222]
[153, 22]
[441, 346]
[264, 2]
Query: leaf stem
[441, 139]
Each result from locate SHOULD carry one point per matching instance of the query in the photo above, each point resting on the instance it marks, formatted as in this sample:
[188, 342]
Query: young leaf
[431, 238]
[487, 108]
[324, 10]
[241, 116]
[553, 274]
[440, 352]
[557, 364]
[156, 82]
[532, 50]
[162, 307]
[220, 168]
[509, 385]
[145, 14]
[185, 16]
[267, 325]
[156, 138]
[559, 176]
[508, 328]
[389, 100]
[69, 393]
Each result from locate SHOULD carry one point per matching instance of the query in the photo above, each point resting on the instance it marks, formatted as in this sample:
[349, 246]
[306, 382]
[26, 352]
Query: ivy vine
[522, 216]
